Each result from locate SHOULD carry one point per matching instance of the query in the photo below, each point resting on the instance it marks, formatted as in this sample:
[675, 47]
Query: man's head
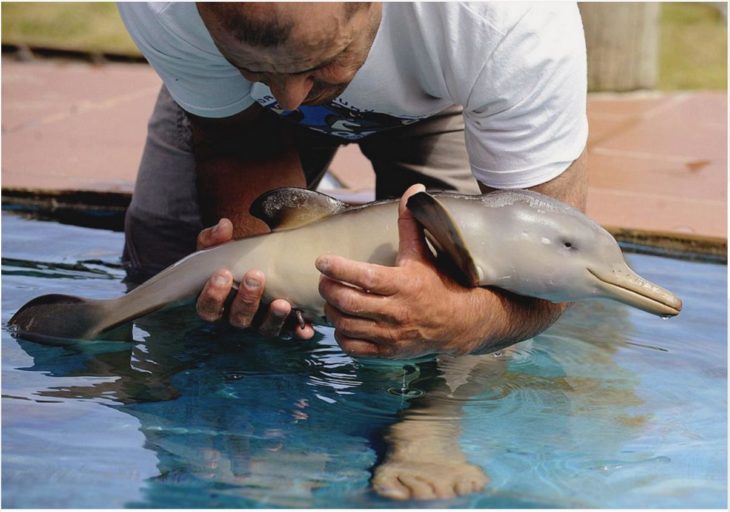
[307, 53]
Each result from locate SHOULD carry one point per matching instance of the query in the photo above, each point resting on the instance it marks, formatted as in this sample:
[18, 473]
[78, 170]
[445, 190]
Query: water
[609, 408]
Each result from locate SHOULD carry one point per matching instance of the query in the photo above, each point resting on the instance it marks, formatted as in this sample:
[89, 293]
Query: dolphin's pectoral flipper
[444, 234]
[291, 207]
[60, 316]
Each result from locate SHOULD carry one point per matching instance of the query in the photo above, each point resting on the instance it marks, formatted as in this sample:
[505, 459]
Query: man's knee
[152, 244]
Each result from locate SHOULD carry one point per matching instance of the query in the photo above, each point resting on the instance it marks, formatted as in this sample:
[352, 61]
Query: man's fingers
[368, 276]
[362, 337]
[275, 318]
[358, 348]
[352, 301]
[304, 333]
[246, 304]
[247, 300]
[352, 326]
[215, 235]
[411, 244]
[211, 300]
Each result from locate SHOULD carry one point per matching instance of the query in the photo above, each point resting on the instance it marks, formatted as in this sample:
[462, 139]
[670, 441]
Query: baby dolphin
[520, 241]
[534, 245]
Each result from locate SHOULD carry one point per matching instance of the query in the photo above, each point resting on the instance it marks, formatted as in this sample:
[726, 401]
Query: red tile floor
[658, 161]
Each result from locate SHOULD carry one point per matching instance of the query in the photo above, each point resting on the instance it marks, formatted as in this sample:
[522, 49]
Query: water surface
[609, 408]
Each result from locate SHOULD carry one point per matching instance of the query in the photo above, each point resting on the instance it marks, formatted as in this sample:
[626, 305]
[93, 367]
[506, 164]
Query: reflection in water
[255, 421]
[580, 416]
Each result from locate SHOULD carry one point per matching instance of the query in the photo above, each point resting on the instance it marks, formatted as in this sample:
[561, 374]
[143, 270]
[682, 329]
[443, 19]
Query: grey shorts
[163, 219]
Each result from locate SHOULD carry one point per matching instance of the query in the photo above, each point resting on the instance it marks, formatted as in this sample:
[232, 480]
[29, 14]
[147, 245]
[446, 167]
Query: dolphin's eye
[567, 245]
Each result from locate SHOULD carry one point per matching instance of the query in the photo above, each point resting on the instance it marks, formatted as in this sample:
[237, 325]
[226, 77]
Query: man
[449, 95]
[356, 70]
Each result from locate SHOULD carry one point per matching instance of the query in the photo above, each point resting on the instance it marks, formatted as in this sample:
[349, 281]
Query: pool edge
[72, 206]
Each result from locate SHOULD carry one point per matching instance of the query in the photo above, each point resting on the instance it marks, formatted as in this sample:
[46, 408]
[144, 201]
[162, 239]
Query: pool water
[609, 408]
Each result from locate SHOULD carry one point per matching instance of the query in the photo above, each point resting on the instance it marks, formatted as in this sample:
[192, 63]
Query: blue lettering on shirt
[337, 119]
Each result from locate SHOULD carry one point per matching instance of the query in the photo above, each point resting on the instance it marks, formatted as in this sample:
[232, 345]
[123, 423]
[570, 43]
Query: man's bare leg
[424, 459]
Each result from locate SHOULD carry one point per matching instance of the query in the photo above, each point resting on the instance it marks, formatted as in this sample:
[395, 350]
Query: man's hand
[405, 311]
[248, 297]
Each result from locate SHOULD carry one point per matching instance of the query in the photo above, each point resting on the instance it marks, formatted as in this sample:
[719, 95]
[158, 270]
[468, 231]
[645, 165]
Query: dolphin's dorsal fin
[290, 207]
[445, 235]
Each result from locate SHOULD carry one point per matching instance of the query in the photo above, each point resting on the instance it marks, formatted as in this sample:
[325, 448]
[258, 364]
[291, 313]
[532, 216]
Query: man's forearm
[509, 318]
[237, 160]
[227, 186]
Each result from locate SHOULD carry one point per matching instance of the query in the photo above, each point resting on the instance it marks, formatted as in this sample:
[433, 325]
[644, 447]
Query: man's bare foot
[421, 480]
[424, 460]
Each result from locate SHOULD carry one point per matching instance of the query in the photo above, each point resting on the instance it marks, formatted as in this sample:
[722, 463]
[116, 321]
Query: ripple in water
[410, 373]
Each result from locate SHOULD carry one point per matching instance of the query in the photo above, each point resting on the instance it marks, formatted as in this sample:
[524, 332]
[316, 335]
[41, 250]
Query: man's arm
[413, 309]
[570, 187]
[238, 158]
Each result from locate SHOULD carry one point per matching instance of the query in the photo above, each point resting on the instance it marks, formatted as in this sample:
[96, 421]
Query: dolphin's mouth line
[663, 300]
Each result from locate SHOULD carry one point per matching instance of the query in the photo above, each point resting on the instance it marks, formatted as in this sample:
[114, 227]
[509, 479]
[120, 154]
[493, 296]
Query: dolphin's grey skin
[519, 241]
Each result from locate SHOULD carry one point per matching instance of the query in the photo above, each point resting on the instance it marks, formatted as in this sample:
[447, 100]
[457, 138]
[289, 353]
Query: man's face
[319, 59]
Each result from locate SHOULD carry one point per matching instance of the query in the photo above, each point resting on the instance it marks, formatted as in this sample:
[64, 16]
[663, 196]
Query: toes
[420, 488]
[444, 489]
[479, 481]
[389, 486]
[418, 483]
[463, 487]
[473, 482]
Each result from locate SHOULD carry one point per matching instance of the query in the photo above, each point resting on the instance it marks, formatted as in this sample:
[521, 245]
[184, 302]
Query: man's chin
[319, 100]
[324, 98]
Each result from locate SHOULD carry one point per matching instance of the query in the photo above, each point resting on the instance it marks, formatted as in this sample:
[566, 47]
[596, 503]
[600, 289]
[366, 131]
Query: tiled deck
[658, 162]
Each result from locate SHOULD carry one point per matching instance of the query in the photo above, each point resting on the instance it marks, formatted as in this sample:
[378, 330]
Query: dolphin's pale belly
[287, 257]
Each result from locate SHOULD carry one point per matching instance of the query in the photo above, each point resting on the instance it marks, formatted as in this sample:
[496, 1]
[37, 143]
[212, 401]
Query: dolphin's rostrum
[520, 241]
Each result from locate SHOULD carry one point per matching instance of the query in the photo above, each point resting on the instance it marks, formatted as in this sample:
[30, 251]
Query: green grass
[693, 47]
[693, 44]
[91, 27]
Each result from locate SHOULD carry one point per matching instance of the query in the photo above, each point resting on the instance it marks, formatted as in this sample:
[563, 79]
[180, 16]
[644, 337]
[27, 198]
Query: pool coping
[71, 204]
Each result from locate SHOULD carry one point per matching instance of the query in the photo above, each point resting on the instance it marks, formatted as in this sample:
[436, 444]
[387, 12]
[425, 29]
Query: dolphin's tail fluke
[50, 318]
[55, 316]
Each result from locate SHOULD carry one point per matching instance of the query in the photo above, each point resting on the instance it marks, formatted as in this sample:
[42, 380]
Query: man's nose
[290, 91]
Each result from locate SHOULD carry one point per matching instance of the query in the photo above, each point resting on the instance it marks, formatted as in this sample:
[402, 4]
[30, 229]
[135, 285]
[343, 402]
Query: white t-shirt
[517, 69]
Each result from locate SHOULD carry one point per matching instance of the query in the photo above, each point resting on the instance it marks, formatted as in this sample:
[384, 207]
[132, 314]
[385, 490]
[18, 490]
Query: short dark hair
[238, 20]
